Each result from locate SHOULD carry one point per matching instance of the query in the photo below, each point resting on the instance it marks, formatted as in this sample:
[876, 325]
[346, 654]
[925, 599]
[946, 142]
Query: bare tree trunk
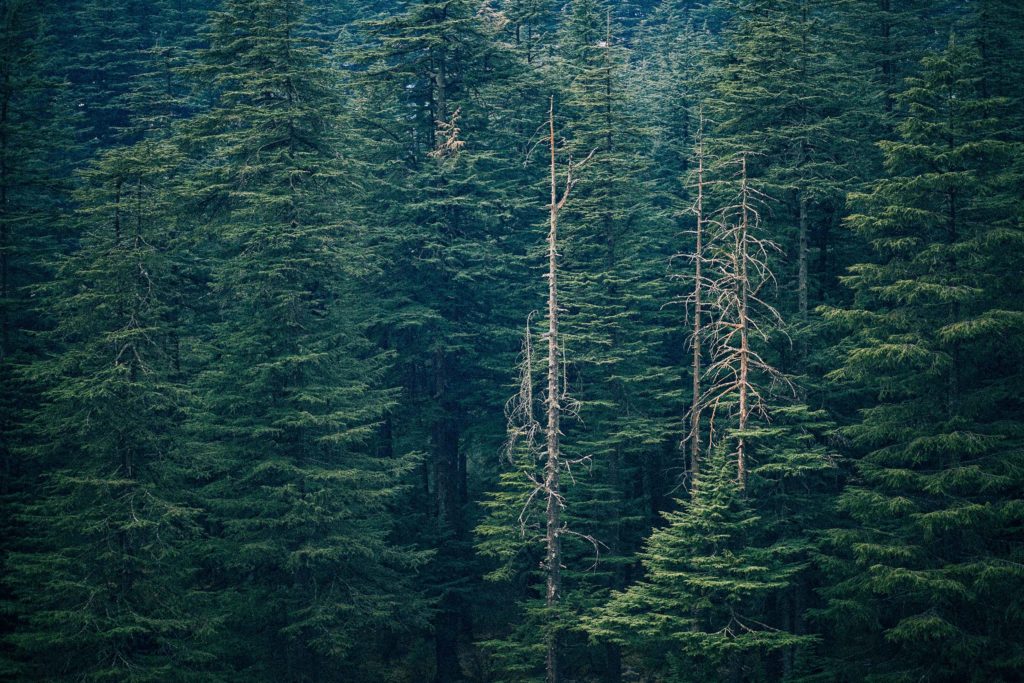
[698, 306]
[743, 285]
[554, 414]
[553, 402]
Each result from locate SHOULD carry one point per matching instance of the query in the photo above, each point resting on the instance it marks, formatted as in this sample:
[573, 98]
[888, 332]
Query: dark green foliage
[117, 56]
[34, 191]
[104, 582]
[290, 389]
[445, 147]
[265, 267]
[927, 575]
[709, 572]
[774, 87]
[618, 335]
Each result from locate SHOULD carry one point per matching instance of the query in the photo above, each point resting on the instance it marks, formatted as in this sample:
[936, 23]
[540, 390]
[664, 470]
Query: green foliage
[264, 270]
[34, 189]
[103, 578]
[708, 574]
[930, 542]
[290, 389]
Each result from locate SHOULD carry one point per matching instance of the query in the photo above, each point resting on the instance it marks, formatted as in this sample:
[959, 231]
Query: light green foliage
[708, 572]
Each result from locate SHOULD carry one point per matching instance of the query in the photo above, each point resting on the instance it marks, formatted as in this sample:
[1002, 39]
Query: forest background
[511, 340]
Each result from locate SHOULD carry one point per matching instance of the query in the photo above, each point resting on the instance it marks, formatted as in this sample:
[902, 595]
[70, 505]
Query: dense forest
[430, 341]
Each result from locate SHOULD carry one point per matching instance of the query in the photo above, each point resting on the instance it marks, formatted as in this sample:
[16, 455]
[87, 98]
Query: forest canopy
[480, 341]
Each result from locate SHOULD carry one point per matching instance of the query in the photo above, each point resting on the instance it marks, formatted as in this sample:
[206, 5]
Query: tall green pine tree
[290, 391]
[926, 576]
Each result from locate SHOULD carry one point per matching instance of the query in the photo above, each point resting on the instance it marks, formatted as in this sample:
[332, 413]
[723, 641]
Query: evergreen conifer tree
[775, 95]
[926, 578]
[447, 199]
[290, 389]
[34, 190]
[104, 588]
[697, 614]
[617, 332]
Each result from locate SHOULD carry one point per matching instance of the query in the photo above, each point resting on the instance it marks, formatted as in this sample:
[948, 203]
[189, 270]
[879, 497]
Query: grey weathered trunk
[552, 465]
[743, 297]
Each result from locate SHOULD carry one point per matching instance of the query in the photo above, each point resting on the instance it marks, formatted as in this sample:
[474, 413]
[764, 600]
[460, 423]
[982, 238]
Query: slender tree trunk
[698, 307]
[953, 389]
[5, 323]
[743, 285]
[802, 201]
[824, 237]
[888, 67]
[5, 230]
[802, 259]
[554, 414]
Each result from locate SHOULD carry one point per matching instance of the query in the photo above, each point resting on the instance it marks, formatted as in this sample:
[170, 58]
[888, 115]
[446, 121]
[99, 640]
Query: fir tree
[290, 388]
[536, 484]
[104, 586]
[775, 94]
[933, 544]
[618, 333]
[697, 614]
[34, 191]
[774, 456]
[439, 77]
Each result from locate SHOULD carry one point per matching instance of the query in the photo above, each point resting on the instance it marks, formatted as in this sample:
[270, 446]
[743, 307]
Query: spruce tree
[618, 333]
[697, 614]
[290, 391]
[104, 586]
[926, 575]
[776, 94]
[34, 191]
[441, 135]
[537, 483]
[775, 458]
[532, 24]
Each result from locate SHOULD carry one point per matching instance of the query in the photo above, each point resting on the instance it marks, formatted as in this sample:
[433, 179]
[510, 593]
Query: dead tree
[737, 375]
[523, 427]
[698, 302]
[553, 457]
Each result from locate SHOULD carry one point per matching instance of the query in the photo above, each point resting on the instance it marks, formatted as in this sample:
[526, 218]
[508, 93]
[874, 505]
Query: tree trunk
[743, 284]
[448, 506]
[5, 230]
[554, 412]
[802, 259]
[698, 307]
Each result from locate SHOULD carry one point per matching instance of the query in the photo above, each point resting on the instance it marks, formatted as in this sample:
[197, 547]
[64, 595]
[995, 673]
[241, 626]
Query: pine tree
[103, 587]
[34, 191]
[445, 155]
[776, 94]
[774, 458]
[532, 23]
[159, 91]
[535, 485]
[108, 53]
[697, 614]
[903, 33]
[290, 389]
[618, 334]
[926, 577]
